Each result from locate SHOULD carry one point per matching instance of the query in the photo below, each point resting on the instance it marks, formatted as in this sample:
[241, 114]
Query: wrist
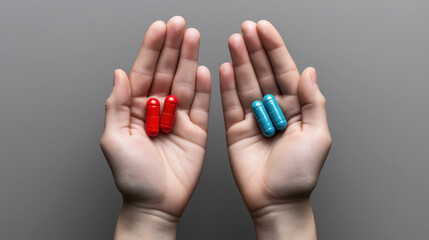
[285, 221]
[135, 222]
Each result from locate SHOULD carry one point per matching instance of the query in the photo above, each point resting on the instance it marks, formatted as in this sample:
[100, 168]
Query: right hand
[272, 174]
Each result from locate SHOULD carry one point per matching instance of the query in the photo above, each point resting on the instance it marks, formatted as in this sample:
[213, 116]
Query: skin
[156, 176]
[274, 175]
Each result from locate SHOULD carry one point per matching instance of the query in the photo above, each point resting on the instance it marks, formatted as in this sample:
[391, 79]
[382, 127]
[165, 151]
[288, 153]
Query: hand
[156, 176]
[274, 175]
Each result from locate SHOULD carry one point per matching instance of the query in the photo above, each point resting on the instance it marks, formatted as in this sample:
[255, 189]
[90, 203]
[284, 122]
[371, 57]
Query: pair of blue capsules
[269, 115]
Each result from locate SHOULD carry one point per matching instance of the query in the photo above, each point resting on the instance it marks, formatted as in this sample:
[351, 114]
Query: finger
[313, 103]
[199, 113]
[141, 74]
[284, 67]
[184, 80]
[232, 109]
[245, 78]
[167, 62]
[118, 104]
[261, 63]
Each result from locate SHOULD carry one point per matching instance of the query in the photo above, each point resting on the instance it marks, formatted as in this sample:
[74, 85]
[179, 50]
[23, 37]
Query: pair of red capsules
[153, 123]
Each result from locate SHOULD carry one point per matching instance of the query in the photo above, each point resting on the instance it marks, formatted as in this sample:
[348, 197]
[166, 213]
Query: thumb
[118, 103]
[313, 103]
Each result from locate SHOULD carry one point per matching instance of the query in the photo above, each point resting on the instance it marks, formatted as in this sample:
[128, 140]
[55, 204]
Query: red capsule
[168, 114]
[152, 117]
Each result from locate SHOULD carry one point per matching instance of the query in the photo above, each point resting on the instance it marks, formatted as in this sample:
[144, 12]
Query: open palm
[159, 173]
[283, 168]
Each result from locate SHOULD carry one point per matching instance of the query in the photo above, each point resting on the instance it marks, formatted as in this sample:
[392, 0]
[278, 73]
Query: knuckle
[323, 101]
[109, 103]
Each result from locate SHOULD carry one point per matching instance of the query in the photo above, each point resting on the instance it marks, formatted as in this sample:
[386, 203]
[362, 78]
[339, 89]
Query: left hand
[157, 176]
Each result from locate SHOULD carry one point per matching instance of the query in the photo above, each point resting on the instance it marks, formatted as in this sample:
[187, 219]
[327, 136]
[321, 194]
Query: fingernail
[313, 76]
[115, 77]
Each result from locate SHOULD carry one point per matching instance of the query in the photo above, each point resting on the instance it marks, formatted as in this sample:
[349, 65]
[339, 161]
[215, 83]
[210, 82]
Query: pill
[168, 114]
[275, 112]
[263, 119]
[152, 117]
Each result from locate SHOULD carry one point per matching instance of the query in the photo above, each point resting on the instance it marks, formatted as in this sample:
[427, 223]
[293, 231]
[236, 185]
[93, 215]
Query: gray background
[56, 64]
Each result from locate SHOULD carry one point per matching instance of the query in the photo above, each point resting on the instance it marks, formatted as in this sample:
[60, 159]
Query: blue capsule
[263, 119]
[275, 112]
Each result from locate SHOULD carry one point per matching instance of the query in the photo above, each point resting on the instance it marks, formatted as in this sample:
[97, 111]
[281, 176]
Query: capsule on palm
[275, 112]
[152, 117]
[168, 114]
[263, 119]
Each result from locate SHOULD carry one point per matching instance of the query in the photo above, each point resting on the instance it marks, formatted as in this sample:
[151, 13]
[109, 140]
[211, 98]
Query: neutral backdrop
[56, 65]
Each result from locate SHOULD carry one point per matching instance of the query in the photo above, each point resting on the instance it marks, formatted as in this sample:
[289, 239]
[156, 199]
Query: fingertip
[204, 79]
[308, 71]
[313, 76]
[225, 68]
[266, 29]
[269, 35]
[158, 26]
[158, 23]
[174, 32]
[307, 86]
[235, 40]
[247, 25]
[120, 75]
[309, 74]
[119, 71]
[226, 77]
[176, 26]
[199, 111]
[306, 74]
[251, 38]
[115, 77]
[193, 34]
[238, 50]
[263, 24]
[231, 105]
[203, 70]
[155, 35]
[177, 21]
[190, 47]
[122, 88]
